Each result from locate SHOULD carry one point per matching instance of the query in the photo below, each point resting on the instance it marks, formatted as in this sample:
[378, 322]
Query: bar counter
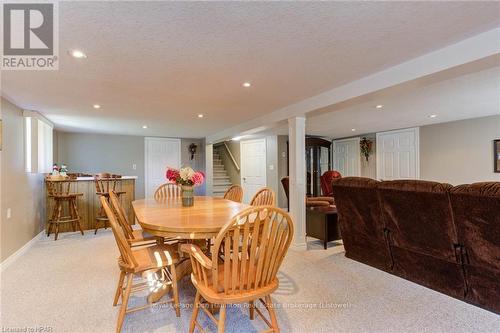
[88, 203]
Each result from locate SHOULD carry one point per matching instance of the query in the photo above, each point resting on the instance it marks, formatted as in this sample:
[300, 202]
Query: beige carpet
[68, 286]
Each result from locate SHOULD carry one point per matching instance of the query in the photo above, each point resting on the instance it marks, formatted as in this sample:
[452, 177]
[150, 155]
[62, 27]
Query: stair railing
[232, 157]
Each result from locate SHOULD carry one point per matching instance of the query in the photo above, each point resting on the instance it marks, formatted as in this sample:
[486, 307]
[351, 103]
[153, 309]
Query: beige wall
[459, 152]
[272, 162]
[272, 165]
[94, 153]
[198, 161]
[232, 171]
[22, 192]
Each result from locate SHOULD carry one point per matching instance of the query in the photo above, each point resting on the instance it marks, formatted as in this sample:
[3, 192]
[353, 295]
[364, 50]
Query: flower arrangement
[365, 146]
[185, 176]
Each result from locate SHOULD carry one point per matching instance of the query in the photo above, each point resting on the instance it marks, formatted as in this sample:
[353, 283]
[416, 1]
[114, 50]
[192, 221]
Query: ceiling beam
[471, 49]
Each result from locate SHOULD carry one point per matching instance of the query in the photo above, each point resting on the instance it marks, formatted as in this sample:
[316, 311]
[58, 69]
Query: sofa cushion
[476, 210]
[418, 216]
[360, 221]
[358, 205]
[429, 271]
[483, 287]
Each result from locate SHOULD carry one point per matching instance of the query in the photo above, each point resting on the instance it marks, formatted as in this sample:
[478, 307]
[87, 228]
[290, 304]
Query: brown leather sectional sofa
[442, 237]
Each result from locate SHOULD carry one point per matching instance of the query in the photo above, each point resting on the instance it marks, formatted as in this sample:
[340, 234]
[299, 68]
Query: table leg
[182, 269]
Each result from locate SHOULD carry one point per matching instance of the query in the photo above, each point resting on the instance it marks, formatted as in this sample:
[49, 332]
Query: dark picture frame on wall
[496, 155]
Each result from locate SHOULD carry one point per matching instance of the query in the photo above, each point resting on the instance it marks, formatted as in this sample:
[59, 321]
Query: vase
[187, 195]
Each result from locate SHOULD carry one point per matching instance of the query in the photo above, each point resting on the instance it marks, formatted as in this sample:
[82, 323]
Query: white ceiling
[467, 96]
[162, 63]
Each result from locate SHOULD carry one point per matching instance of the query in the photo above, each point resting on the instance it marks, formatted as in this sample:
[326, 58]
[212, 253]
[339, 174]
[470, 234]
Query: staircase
[221, 178]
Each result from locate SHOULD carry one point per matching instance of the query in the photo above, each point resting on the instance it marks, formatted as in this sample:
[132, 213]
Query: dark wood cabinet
[318, 160]
[322, 223]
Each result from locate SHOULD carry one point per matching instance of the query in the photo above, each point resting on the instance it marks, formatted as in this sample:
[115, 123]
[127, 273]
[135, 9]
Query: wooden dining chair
[234, 193]
[168, 190]
[135, 237]
[146, 262]
[264, 197]
[254, 244]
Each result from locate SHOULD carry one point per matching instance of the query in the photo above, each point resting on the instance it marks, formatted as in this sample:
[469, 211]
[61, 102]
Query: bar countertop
[92, 178]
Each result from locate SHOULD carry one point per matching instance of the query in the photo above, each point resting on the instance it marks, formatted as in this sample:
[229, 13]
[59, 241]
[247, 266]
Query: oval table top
[167, 217]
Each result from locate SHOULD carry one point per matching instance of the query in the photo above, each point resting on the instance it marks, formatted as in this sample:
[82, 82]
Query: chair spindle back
[57, 188]
[121, 241]
[264, 197]
[105, 182]
[234, 193]
[120, 214]
[253, 245]
[168, 190]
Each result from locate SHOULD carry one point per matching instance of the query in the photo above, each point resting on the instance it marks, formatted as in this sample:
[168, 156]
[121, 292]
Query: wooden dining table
[167, 218]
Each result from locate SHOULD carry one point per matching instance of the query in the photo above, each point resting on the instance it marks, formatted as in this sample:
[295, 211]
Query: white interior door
[253, 167]
[398, 154]
[346, 157]
[160, 154]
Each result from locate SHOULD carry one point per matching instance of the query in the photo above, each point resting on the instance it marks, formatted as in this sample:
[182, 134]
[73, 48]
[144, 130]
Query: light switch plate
[134, 166]
[9, 213]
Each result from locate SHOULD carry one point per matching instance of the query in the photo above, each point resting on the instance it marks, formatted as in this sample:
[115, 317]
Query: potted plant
[187, 179]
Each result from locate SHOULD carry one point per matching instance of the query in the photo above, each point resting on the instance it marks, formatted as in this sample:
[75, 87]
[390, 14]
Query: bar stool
[104, 183]
[60, 192]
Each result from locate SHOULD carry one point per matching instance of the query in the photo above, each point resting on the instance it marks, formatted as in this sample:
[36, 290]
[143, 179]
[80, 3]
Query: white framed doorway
[398, 154]
[347, 157]
[253, 167]
[160, 153]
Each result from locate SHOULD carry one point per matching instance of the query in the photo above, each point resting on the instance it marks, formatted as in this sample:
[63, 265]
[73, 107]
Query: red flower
[172, 175]
[198, 178]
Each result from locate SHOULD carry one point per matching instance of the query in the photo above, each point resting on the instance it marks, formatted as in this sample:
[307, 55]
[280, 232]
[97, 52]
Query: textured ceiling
[162, 63]
[448, 96]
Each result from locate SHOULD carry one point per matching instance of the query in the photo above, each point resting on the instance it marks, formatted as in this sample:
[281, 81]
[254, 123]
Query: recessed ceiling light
[379, 106]
[433, 116]
[246, 84]
[200, 115]
[77, 54]
[353, 129]
[96, 106]
[145, 126]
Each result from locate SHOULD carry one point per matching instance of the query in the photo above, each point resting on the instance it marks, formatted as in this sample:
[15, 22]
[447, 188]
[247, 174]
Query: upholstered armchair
[310, 201]
[326, 181]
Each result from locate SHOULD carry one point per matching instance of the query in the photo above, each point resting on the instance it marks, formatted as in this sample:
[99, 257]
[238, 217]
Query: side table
[322, 223]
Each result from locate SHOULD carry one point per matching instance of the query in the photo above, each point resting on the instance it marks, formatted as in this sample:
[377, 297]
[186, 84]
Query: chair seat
[106, 194]
[154, 257]
[141, 236]
[313, 203]
[327, 199]
[66, 196]
[220, 297]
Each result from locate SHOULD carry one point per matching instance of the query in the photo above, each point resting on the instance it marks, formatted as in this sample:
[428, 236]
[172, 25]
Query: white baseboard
[14, 256]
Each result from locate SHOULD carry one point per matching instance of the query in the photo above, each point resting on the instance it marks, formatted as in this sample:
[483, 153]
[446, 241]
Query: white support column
[297, 167]
[209, 168]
